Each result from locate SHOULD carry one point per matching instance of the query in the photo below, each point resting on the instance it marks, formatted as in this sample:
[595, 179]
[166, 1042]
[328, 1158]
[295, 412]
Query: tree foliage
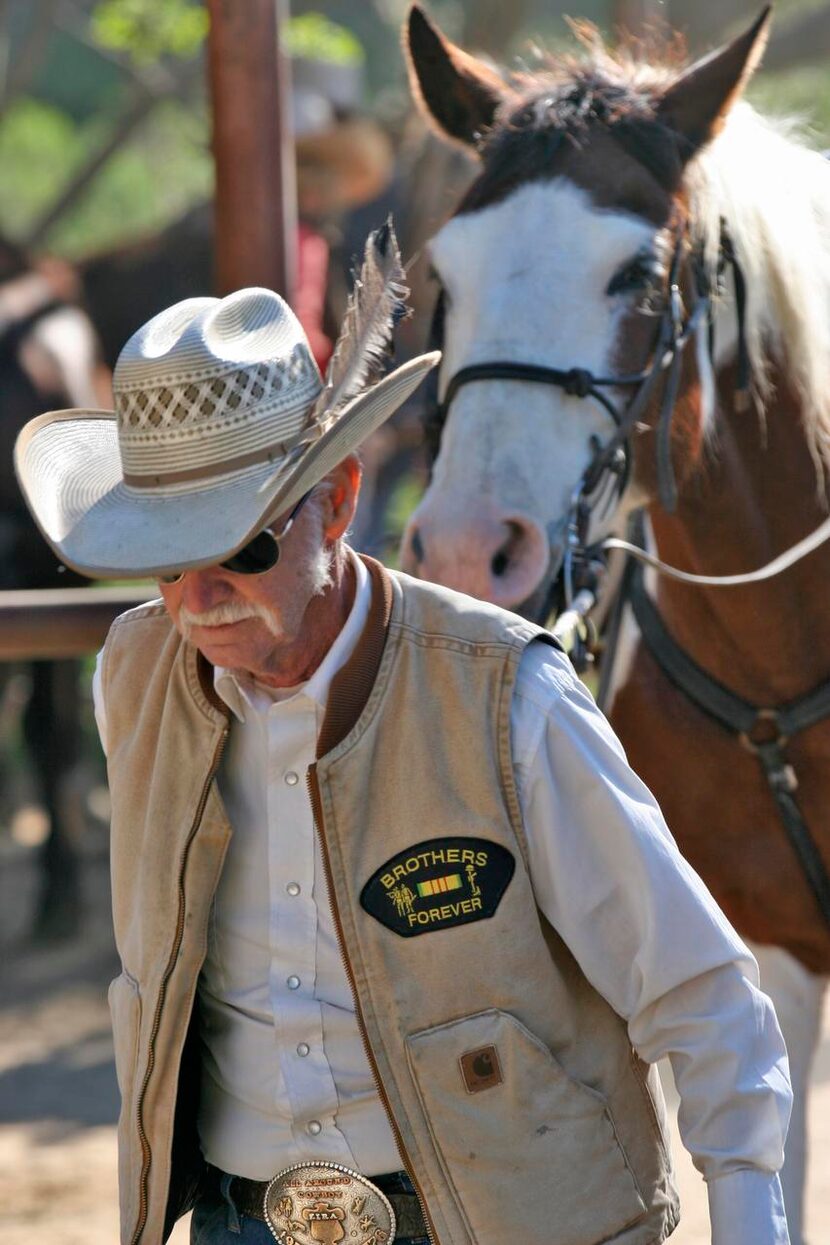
[155, 177]
[148, 29]
[314, 36]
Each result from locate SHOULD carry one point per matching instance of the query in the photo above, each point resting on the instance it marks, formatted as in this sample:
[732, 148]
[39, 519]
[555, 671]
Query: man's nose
[204, 589]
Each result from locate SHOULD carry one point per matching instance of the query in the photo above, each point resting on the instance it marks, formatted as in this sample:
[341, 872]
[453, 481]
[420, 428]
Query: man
[401, 932]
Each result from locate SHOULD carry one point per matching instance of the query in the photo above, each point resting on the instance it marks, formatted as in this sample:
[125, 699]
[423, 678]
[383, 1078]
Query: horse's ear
[454, 91]
[697, 103]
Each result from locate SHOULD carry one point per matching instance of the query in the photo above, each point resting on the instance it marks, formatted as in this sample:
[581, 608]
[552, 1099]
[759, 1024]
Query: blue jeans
[216, 1221]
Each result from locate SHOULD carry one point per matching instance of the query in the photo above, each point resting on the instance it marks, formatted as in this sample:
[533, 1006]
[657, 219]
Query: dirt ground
[58, 1098]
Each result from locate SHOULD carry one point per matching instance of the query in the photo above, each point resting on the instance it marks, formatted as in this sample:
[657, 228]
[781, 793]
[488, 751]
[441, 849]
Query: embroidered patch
[439, 884]
[481, 1069]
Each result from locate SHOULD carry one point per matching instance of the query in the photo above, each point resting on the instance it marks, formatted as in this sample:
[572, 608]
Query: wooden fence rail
[62, 622]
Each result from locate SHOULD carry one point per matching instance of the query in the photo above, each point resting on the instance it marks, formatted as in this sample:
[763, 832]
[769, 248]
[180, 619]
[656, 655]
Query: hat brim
[69, 469]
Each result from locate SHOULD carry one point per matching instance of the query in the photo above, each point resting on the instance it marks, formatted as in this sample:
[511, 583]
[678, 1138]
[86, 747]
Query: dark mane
[563, 108]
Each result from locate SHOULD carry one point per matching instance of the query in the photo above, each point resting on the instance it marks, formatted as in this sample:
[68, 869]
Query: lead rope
[776, 567]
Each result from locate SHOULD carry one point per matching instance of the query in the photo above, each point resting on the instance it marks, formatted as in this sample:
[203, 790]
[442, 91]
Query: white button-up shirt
[285, 1075]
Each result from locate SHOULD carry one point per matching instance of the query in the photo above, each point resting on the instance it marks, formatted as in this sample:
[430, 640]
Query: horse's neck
[754, 495]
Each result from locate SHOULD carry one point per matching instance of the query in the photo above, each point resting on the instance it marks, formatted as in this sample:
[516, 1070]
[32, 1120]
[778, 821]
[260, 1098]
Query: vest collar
[352, 685]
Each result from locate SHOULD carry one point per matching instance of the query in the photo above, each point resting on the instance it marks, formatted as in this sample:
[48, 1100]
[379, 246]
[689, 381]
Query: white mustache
[227, 612]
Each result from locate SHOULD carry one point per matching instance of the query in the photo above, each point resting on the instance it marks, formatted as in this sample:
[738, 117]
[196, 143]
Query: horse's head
[561, 258]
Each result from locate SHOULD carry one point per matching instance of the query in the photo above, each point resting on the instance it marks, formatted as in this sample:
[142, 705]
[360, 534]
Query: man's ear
[340, 501]
[697, 104]
[455, 92]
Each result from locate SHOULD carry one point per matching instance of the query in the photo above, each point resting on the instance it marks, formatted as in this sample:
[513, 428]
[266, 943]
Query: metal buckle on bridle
[582, 571]
[574, 629]
[766, 740]
[766, 729]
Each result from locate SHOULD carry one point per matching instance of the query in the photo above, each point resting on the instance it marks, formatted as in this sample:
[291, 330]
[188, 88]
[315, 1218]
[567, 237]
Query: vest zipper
[317, 813]
[171, 963]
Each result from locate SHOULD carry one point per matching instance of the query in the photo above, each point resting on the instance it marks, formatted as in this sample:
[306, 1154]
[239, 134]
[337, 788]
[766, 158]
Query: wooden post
[256, 199]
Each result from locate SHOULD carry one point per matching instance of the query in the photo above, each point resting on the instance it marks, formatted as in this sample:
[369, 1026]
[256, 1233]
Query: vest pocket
[531, 1155]
[125, 1011]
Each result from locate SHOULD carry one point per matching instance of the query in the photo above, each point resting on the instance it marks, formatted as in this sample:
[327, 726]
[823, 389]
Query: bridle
[675, 329]
[764, 730]
[607, 475]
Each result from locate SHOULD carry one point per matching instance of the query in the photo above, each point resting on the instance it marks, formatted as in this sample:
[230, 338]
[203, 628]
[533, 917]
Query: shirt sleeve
[98, 701]
[651, 939]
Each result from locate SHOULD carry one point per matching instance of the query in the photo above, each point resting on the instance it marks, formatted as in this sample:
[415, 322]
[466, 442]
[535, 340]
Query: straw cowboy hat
[221, 424]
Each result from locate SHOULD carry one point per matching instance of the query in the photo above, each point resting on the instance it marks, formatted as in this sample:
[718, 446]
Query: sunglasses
[259, 555]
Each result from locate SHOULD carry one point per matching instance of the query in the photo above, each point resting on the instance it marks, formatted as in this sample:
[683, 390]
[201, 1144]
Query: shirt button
[303, 1049]
[315, 1127]
[291, 778]
[293, 983]
[293, 888]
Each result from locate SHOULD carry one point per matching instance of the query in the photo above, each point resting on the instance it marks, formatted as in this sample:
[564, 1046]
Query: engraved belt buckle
[327, 1203]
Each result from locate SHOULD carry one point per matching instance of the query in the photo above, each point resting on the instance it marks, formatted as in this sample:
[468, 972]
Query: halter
[607, 475]
[674, 332]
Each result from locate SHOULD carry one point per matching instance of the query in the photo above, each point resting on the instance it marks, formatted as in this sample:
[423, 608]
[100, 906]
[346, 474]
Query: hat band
[279, 450]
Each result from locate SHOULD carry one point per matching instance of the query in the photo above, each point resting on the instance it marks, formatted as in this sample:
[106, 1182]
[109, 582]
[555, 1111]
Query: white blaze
[526, 281]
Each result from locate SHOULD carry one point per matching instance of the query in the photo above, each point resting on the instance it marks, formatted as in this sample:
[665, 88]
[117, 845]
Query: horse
[49, 359]
[634, 310]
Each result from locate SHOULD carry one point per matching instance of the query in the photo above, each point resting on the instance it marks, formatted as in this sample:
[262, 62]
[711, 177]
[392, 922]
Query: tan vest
[520, 1108]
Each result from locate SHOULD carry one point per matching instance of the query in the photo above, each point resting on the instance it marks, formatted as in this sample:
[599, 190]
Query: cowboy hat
[221, 423]
[343, 166]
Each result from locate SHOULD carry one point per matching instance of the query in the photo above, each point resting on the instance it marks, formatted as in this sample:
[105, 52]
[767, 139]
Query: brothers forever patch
[439, 884]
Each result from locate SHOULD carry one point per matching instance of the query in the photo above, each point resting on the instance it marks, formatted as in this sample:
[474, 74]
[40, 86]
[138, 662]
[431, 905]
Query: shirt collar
[238, 692]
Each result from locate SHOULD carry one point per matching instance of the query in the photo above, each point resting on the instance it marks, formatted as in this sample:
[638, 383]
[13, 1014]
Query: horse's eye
[641, 273]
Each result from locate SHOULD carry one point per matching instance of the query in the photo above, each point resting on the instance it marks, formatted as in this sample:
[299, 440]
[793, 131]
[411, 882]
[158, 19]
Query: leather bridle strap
[763, 731]
[672, 336]
[577, 382]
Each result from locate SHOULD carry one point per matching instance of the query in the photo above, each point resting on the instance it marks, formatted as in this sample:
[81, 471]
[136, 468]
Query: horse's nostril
[417, 545]
[504, 557]
[500, 563]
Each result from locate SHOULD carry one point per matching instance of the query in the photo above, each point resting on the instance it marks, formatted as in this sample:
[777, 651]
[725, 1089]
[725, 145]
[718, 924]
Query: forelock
[561, 110]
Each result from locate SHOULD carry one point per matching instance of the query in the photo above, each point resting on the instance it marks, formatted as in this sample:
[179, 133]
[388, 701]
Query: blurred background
[114, 203]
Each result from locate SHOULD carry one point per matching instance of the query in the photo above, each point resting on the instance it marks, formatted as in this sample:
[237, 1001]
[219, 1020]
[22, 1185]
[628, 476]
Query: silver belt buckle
[325, 1203]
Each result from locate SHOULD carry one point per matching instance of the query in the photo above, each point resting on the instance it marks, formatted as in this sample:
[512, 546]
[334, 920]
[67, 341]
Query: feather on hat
[221, 423]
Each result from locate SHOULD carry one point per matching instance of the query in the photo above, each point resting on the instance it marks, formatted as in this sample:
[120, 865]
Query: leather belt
[249, 1199]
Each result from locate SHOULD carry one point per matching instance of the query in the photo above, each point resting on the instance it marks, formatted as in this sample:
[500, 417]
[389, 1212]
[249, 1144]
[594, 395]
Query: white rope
[782, 563]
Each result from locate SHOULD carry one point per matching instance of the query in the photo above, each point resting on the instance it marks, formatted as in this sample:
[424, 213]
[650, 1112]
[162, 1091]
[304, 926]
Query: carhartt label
[439, 884]
[481, 1069]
